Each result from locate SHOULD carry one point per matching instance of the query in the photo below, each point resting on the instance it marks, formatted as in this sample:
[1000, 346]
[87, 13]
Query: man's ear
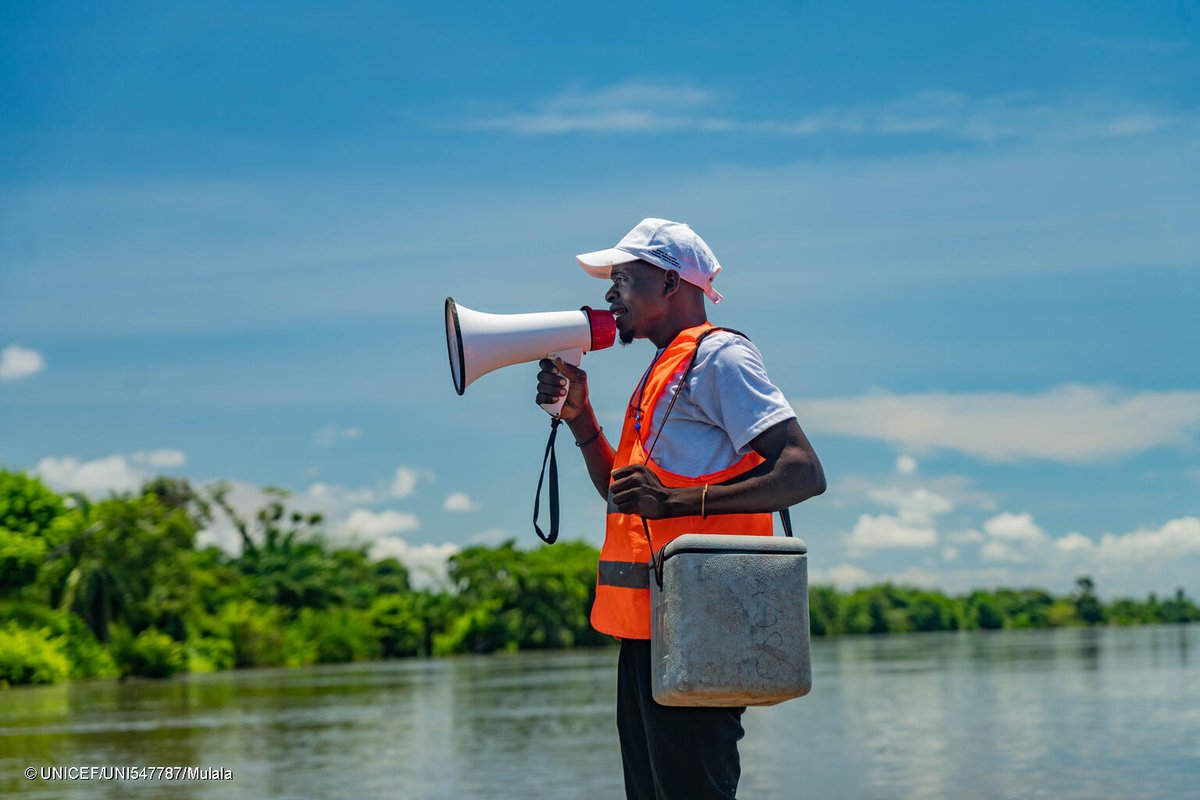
[670, 283]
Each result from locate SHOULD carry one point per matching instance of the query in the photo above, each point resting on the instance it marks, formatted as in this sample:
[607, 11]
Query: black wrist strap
[550, 458]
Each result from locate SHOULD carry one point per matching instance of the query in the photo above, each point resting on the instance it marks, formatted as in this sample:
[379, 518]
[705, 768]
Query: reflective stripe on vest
[622, 606]
[625, 574]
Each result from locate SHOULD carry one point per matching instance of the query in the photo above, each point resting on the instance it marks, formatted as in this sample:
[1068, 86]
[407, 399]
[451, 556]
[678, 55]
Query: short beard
[626, 337]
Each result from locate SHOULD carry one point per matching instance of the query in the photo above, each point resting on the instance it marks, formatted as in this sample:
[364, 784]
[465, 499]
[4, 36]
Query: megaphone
[479, 342]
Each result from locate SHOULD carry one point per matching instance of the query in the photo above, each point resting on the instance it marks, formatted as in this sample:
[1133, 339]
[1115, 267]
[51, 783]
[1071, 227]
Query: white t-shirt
[728, 400]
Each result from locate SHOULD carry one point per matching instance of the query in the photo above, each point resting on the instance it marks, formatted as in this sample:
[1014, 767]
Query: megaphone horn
[479, 342]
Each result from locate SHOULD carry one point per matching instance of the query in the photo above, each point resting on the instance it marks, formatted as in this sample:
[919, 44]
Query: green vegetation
[118, 587]
[900, 609]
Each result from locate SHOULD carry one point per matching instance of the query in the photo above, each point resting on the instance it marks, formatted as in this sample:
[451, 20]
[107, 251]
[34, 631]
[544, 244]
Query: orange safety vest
[622, 606]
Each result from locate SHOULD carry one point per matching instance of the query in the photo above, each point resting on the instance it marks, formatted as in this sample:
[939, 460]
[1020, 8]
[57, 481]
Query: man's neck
[672, 327]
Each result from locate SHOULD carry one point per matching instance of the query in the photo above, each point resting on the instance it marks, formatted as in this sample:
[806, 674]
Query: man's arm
[577, 412]
[790, 474]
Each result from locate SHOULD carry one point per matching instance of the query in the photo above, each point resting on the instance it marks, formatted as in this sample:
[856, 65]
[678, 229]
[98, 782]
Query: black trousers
[672, 753]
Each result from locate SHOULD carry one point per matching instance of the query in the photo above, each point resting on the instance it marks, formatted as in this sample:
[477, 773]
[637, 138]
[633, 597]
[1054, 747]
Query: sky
[964, 236]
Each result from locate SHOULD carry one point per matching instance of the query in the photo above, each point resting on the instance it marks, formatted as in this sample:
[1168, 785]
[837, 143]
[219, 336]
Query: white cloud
[160, 458]
[1001, 551]
[915, 576]
[1148, 559]
[404, 483]
[373, 525]
[1058, 425]
[1151, 558]
[331, 434]
[884, 532]
[1014, 528]
[1014, 538]
[906, 465]
[18, 362]
[331, 501]
[849, 576]
[915, 506]
[99, 477]
[1073, 542]
[459, 502]
[331, 498]
[632, 107]
[958, 490]
[1143, 560]
[492, 537]
[843, 576]
[643, 107]
[342, 507]
[245, 499]
[426, 563]
[911, 527]
[96, 478]
[334, 500]
[1113, 207]
[1175, 539]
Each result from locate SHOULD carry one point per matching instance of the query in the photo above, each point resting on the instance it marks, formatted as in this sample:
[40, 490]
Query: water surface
[1105, 713]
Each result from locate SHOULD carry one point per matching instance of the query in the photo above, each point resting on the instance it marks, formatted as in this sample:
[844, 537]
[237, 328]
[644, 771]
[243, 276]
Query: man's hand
[550, 387]
[637, 490]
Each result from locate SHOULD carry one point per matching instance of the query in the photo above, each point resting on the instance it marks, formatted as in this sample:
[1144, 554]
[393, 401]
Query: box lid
[729, 543]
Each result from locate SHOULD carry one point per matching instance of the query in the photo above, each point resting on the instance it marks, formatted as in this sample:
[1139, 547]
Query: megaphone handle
[572, 357]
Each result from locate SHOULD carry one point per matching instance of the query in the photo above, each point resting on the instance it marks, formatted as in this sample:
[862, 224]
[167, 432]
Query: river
[1071, 713]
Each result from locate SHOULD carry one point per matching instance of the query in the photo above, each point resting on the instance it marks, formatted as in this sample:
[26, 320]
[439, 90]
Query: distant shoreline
[118, 588]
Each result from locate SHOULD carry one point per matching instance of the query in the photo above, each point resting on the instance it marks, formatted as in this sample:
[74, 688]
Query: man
[715, 455]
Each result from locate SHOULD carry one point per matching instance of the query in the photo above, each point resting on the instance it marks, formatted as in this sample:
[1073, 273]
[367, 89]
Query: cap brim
[600, 263]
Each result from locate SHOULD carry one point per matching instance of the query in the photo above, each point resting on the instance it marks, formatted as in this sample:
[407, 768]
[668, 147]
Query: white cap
[665, 244]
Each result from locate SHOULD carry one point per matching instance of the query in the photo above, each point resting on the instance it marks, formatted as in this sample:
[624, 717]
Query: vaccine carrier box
[729, 623]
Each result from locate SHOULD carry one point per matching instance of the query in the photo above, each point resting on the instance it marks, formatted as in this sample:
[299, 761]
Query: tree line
[119, 587]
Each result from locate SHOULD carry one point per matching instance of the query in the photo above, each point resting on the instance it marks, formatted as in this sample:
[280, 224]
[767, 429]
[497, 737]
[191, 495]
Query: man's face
[636, 298]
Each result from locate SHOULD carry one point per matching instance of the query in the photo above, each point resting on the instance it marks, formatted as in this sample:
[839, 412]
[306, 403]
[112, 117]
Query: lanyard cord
[637, 409]
[656, 560]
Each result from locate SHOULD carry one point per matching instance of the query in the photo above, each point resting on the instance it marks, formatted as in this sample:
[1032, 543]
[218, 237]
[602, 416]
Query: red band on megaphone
[604, 327]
